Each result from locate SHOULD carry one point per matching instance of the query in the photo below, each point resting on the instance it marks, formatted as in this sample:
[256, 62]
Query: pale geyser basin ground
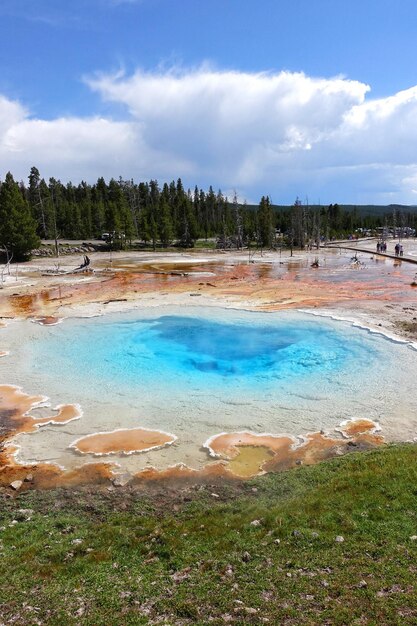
[199, 372]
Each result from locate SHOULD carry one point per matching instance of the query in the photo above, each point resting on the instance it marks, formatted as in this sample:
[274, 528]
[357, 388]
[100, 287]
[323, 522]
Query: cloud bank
[283, 134]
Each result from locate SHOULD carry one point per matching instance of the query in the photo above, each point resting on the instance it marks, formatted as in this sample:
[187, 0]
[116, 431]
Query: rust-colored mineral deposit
[250, 454]
[123, 441]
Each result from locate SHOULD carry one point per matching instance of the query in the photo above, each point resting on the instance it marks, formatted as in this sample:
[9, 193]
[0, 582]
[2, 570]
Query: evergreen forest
[148, 214]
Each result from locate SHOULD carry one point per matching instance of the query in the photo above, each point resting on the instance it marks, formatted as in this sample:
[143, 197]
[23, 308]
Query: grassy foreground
[264, 551]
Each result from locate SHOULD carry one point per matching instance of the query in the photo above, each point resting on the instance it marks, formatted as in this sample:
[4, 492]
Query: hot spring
[203, 371]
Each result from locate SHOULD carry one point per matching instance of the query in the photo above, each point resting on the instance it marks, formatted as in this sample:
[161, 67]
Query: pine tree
[165, 222]
[36, 202]
[265, 225]
[298, 226]
[131, 193]
[17, 227]
[209, 210]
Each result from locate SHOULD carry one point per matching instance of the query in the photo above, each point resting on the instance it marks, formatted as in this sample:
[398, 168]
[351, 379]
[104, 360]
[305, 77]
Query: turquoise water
[203, 351]
[199, 372]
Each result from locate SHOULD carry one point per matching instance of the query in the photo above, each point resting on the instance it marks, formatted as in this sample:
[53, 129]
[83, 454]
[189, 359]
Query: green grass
[185, 556]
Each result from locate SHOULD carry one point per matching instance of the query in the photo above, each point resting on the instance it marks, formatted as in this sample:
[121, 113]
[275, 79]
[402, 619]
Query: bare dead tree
[56, 234]
[6, 268]
[238, 222]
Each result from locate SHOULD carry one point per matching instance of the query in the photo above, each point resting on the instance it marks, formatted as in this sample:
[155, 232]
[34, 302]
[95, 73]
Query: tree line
[158, 216]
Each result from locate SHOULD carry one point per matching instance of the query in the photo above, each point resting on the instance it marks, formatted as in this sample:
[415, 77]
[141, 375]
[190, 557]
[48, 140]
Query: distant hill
[362, 209]
[377, 210]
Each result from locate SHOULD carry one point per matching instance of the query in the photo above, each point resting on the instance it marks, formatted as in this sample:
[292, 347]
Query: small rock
[296, 533]
[28, 478]
[178, 577]
[121, 480]
[254, 489]
[16, 484]
[339, 539]
[362, 584]
[256, 522]
[246, 557]
[76, 542]
[314, 535]
[413, 538]
[277, 541]
[250, 611]
[24, 514]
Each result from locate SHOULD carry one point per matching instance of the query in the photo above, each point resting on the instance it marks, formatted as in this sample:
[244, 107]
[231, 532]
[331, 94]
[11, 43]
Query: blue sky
[314, 99]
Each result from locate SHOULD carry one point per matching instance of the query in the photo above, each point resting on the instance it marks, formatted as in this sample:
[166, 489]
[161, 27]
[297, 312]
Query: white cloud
[79, 149]
[221, 117]
[11, 114]
[285, 134]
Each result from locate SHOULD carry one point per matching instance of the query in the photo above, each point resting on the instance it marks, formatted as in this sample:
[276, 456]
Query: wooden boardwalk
[406, 258]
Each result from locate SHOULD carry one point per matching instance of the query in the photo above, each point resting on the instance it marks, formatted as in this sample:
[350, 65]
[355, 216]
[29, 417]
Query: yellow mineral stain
[124, 441]
[250, 460]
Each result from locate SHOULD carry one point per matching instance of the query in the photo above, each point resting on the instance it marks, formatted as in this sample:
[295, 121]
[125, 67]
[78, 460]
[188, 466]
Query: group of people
[399, 250]
[381, 246]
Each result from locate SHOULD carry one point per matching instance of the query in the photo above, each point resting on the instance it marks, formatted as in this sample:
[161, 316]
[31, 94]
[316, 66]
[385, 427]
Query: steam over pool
[208, 371]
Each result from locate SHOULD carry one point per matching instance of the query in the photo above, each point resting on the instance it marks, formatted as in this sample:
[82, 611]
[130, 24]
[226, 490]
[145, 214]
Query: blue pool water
[203, 371]
[200, 350]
